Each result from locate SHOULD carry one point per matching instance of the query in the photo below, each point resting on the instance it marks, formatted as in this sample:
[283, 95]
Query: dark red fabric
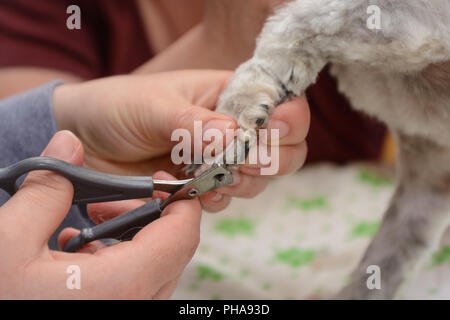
[112, 41]
[338, 133]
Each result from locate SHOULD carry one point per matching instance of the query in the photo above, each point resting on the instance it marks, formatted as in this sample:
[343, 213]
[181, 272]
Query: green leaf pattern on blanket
[432, 291]
[295, 257]
[442, 256]
[266, 286]
[208, 272]
[373, 178]
[234, 227]
[365, 229]
[313, 203]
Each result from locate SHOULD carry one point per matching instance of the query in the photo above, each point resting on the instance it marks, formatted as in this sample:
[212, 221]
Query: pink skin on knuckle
[214, 206]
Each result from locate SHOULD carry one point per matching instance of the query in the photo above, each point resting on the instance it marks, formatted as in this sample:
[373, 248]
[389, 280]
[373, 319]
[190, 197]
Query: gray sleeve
[26, 126]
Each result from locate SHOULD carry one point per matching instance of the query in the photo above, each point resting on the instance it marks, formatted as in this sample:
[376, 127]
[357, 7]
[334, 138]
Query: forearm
[192, 51]
[14, 80]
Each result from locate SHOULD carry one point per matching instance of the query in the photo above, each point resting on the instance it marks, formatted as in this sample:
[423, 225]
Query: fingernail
[279, 125]
[217, 197]
[221, 125]
[62, 146]
[236, 178]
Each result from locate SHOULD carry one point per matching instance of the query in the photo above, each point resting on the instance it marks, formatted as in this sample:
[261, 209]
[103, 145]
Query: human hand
[126, 123]
[146, 267]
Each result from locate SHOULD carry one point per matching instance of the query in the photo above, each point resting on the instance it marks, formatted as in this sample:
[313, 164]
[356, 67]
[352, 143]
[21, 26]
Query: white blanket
[300, 239]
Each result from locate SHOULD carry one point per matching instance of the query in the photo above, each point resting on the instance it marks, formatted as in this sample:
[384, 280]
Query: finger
[45, 197]
[215, 201]
[245, 186]
[146, 167]
[161, 250]
[201, 125]
[69, 233]
[101, 212]
[162, 175]
[292, 120]
[290, 159]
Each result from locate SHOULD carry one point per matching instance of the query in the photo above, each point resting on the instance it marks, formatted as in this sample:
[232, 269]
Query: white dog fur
[400, 74]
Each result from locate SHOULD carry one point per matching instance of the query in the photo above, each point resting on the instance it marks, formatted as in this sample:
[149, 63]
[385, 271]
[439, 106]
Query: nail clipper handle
[89, 186]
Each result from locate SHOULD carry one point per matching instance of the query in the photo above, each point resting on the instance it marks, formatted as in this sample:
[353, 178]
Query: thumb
[45, 197]
[195, 128]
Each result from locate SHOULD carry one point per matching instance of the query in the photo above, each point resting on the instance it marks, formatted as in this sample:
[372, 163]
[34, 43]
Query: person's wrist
[63, 98]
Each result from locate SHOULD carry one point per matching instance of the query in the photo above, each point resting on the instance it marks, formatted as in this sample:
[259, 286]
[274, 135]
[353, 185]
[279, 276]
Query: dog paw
[255, 115]
[251, 96]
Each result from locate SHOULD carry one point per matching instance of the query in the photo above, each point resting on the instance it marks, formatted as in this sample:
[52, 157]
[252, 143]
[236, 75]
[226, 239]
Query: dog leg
[294, 46]
[304, 35]
[418, 215]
